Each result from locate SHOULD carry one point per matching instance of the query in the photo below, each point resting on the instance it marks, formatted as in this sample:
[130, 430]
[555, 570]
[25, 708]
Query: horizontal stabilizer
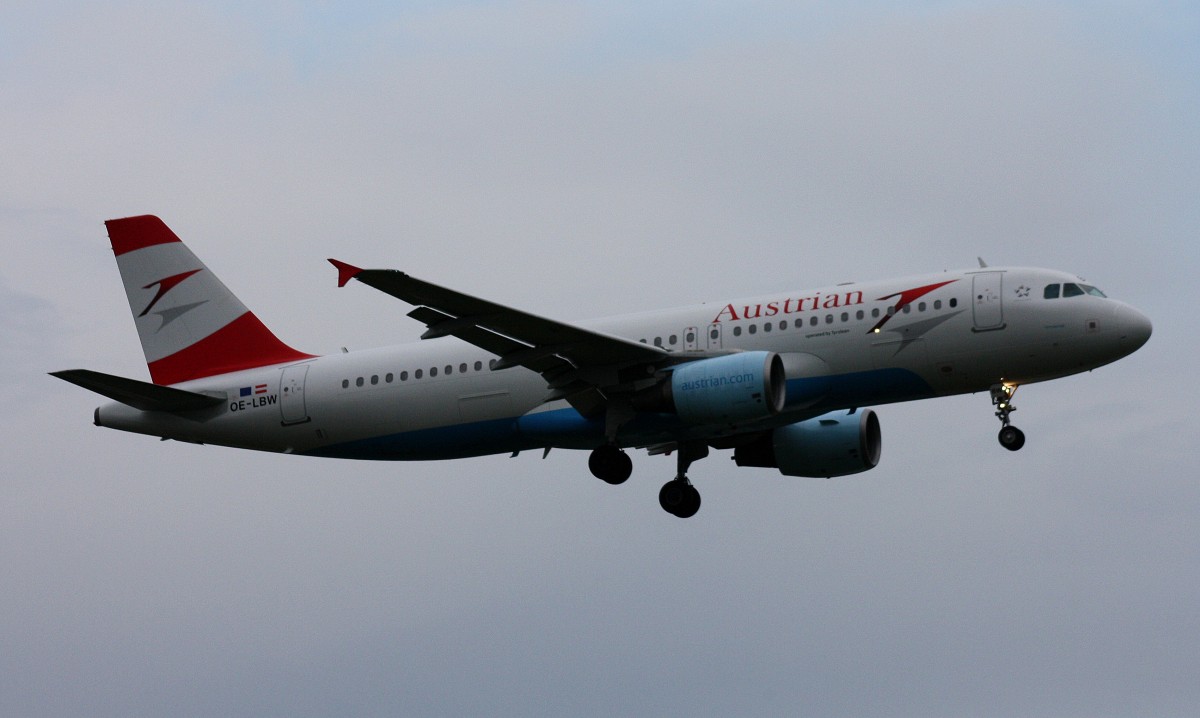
[138, 394]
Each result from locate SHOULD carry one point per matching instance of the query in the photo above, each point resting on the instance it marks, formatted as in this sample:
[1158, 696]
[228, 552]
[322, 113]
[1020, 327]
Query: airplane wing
[575, 362]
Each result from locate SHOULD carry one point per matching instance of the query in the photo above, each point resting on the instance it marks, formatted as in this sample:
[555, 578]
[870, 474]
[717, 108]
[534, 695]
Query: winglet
[346, 272]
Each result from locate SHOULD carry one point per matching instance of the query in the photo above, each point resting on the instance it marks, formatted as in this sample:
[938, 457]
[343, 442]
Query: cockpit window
[1071, 290]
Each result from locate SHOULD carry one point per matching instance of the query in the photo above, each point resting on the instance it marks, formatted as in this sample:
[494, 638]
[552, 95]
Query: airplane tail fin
[190, 324]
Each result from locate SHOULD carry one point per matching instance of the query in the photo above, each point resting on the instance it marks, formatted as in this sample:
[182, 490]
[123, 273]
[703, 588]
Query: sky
[577, 160]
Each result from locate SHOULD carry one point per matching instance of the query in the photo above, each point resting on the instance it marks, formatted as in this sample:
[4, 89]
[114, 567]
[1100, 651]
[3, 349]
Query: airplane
[783, 380]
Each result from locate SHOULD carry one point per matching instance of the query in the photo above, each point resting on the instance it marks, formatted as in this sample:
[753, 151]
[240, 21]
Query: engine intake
[834, 444]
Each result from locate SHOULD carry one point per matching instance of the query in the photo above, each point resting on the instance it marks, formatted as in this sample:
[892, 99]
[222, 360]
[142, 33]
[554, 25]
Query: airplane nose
[1134, 328]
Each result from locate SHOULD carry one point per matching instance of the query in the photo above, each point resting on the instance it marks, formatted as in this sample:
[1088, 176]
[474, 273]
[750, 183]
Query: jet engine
[833, 444]
[723, 390]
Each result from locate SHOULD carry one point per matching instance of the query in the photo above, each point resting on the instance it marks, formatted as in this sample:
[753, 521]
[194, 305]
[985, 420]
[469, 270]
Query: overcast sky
[576, 160]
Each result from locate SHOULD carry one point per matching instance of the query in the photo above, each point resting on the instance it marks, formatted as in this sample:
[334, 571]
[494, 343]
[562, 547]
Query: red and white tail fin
[190, 324]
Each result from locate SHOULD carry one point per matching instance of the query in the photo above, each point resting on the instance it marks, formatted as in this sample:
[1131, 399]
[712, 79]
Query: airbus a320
[784, 380]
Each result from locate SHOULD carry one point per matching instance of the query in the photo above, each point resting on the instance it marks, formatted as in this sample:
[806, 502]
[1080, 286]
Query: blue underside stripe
[566, 427]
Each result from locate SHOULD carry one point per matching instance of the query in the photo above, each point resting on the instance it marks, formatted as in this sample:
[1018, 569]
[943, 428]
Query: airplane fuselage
[844, 346]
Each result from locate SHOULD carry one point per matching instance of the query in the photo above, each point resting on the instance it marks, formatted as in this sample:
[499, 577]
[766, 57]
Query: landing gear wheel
[1011, 438]
[610, 464]
[679, 498]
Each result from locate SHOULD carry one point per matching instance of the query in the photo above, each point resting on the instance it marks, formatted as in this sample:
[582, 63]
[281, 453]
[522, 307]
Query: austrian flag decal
[256, 389]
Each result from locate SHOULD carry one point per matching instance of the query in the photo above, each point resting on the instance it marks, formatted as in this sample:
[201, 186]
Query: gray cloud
[582, 161]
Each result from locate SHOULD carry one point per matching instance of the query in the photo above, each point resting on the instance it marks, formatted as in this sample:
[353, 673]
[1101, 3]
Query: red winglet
[346, 272]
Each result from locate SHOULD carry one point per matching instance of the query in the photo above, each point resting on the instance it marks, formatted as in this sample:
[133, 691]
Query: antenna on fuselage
[982, 264]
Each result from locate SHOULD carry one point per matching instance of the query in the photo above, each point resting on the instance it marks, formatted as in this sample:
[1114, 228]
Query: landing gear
[611, 465]
[1010, 437]
[678, 497]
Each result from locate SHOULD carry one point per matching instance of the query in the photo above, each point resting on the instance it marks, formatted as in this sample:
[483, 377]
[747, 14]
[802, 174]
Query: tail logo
[164, 286]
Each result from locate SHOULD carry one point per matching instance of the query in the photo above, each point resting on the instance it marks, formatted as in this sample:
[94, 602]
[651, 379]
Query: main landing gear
[678, 497]
[609, 464]
[1010, 436]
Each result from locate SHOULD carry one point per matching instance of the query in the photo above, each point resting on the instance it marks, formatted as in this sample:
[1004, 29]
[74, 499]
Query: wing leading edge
[578, 364]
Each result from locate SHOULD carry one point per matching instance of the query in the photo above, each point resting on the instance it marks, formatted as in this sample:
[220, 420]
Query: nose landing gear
[1010, 437]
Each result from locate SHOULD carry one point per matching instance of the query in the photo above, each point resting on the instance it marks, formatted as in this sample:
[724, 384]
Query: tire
[1011, 438]
[610, 465]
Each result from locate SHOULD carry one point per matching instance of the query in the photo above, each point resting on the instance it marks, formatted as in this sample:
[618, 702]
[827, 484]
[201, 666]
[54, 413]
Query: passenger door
[986, 301]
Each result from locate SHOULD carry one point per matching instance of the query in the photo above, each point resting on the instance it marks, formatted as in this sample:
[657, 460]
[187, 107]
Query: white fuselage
[953, 333]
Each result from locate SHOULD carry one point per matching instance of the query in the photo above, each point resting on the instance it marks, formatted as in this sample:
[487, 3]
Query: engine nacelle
[729, 389]
[833, 444]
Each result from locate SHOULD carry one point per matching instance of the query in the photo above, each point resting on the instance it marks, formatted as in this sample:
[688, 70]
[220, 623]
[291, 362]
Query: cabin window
[388, 377]
[859, 314]
[1072, 290]
[812, 321]
[845, 316]
[907, 308]
[417, 374]
[799, 323]
[374, 379]
[358, 381]
[875, 313]
[767, 327]
[953, 302]
[432, 371]
[345, 383]
[673, 340]
[478, 366]
[782, 326]
[937, 304]
[403, 376]
[753, 329]
[829, 319]
[891, 310]
[691, 337]
[462, 368]
[737, 331]
[921, 307]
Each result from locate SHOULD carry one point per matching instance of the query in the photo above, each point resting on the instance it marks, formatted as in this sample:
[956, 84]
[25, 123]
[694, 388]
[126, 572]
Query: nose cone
[1134, 328]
